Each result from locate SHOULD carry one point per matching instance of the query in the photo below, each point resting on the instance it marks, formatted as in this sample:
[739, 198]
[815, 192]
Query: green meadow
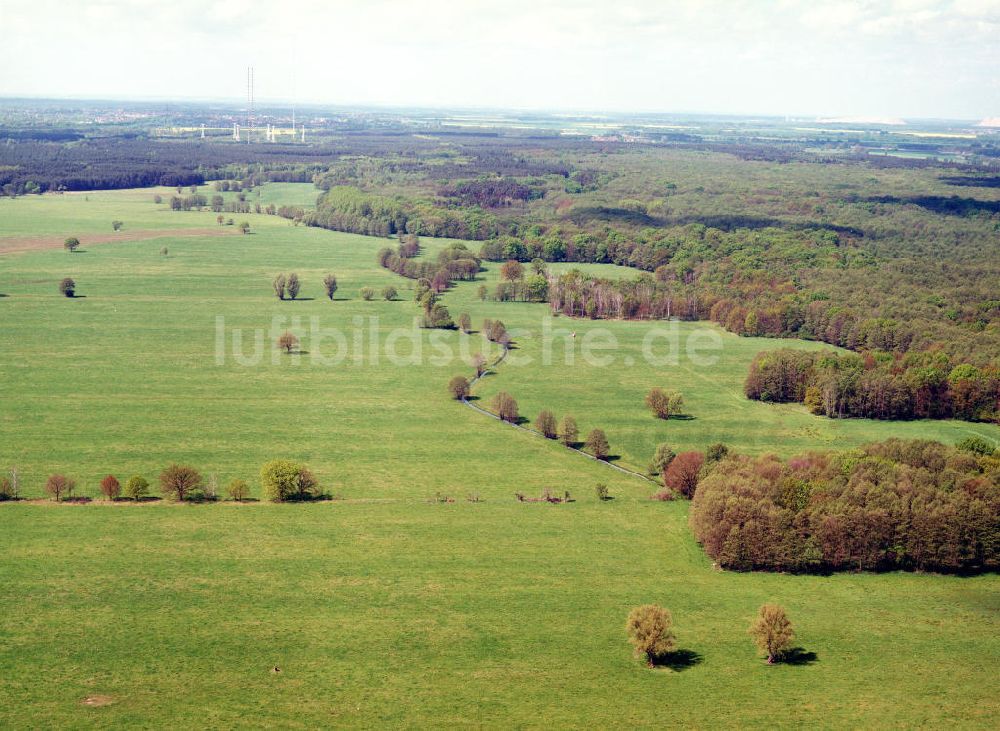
[384, 607]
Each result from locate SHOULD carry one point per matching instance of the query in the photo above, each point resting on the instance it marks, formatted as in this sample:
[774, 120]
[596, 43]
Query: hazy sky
[898, 58]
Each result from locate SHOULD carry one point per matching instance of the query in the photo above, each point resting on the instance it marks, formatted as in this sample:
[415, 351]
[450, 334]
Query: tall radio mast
[249, 102]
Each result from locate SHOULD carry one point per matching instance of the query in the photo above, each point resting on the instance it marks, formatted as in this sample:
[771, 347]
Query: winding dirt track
[491, 369]
[15, 244]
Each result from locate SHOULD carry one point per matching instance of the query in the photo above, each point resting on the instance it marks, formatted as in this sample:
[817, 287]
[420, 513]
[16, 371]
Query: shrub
[546, 424]
[683, 471]
[649, 629]
[662, 458]
[367, 294]
[179, 481]
[283, 480]
[716, 452]
[977, 446]
[293, 285]
[136, 487]
[245, 227]
[287, 341]
[505, 407]
[58, 485]
[602, 491]
[164, 251]
[110, 487]
[465, 323]
[772, 632]
[117, 225]
[459, 387]
[238, 490]
[71, 244]
[597, 444]
[664, 404]
[330, 285]
[568, 431]
[6, 489]
[389, 293]
[67, 287]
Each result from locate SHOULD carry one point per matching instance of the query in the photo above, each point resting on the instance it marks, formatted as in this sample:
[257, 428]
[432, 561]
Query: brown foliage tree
[279, 284]
[597, 444]
[330, 285]
[505, 407]
[459, 387]
[110, 487]
[568, 431]
[293, 285]
[664, 403]
[649, 629]
[287, 341]
[512, 271]
[546, 424]
[179, 481]
[683, 471]
[67, 287]
[58, 485]
[465, 323]
[772, 632]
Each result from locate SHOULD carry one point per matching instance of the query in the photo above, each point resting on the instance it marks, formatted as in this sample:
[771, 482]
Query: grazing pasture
[386, 606]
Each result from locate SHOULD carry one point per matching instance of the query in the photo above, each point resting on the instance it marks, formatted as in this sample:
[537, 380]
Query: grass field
[384, 609]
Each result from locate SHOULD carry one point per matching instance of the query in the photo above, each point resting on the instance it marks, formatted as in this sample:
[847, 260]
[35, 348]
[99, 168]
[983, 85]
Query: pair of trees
[650, 630]
[506, 407]
[283, 480]
[286, 286]
[664, 404]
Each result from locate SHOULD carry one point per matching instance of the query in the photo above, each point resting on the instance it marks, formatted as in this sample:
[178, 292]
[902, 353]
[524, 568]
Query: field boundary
[491, 369]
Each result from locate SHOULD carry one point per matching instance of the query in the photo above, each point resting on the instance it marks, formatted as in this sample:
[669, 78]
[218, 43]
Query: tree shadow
[678, 660]
[520, 421]
[301, 299]
[798, 656]
[681, 417]
[612, 458]
[472, 398]
[244, 500]
[77, 297]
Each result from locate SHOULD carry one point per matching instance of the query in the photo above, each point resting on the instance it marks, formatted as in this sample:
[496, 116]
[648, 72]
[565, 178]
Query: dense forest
[892, 505]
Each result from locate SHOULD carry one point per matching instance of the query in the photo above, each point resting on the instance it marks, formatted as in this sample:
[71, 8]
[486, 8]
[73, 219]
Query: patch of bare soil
[96, 701]
[14, 244]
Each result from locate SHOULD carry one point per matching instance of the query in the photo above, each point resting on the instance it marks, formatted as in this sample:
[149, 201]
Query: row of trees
[650, 631]
[876, 385]
[896, 504]
[281, 481]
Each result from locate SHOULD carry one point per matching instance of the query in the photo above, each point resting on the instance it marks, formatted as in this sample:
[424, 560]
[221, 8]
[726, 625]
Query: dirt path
[15, 244]
[491, 369]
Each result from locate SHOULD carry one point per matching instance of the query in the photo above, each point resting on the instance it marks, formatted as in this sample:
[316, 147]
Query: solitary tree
[293, 285]
[664, 403]
[67, 287]
[117, 225]
[287, 341]
[505, 406]
[367, 294]
[538, 266]
[772, 632]
[479, 361]
[245, 227]
[512, 271]
[465, 323]
[220, 219]
[459, 387]
[546, 424]
[279, 286]
[179, 481]
[597, 444]
[58, 485]
[389, 293]
[568, 431]
[136, 487]
[238, 490]
[110, 487]
[71, 244]
[663, 456]
[330, 285]
[6, 489]
[649, 629]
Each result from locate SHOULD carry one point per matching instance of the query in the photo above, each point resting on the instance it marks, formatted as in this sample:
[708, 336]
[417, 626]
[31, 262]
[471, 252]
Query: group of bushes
[889, 505]
[281, 481]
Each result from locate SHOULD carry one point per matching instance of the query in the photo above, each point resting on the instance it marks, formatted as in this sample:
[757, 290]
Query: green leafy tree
[663, 456]
[283, 480]
[389, 293]
[245, 227]
[238, 490]
[71, 244]
[117, 225]
[136, 487]
[664, 404]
